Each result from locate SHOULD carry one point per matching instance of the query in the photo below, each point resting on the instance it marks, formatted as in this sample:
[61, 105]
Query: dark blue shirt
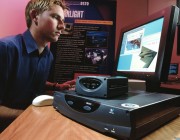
[23, 72]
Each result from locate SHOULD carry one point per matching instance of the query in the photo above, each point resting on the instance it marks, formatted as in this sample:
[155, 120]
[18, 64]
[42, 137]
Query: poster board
[87, 45]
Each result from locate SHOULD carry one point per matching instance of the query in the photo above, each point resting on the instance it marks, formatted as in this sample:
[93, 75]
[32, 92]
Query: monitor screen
[143, 46]
[140, 46]
[173, 69]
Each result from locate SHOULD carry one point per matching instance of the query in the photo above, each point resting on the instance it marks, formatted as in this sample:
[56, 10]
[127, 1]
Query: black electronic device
[101, 86]
[145, 47]
[130, 116]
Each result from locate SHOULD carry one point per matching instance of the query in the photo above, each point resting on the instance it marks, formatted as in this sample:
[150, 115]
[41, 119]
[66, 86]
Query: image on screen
[140, 46]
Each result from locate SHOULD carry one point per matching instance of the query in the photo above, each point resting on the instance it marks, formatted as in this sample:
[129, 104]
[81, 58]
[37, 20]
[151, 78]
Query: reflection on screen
[139, 48]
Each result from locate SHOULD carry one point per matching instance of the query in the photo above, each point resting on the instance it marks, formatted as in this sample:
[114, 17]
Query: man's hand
[69, 85]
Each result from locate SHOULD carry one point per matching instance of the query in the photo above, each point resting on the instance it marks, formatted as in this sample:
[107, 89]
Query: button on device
[87, 108]
[70, 102]
[81, 105]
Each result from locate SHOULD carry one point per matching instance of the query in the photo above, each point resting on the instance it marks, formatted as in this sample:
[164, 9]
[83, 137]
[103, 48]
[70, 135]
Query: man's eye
[56, 17]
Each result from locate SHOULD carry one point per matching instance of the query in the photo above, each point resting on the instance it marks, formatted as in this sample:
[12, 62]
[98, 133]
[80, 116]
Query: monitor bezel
[170, 15]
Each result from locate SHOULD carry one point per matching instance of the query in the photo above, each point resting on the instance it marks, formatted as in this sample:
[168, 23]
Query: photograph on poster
[68, 29]
[95, 56]
[97, 39]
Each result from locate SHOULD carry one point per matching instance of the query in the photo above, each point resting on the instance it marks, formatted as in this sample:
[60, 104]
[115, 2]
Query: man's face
[50, 24]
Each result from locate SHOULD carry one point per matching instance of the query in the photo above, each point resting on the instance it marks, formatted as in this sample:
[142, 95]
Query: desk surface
[45, 123]
[171, 85]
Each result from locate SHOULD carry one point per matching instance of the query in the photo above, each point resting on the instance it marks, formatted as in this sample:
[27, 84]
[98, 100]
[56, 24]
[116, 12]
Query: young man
[25, 59]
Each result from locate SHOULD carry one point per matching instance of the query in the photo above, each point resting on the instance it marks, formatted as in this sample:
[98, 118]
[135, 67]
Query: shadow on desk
[7, 116]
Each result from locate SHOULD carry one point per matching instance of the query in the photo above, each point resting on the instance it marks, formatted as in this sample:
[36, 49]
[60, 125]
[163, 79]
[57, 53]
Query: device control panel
[81, 105]
[90, 83]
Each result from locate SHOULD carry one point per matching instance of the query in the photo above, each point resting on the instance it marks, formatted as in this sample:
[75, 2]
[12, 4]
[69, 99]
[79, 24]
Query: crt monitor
[145, 47]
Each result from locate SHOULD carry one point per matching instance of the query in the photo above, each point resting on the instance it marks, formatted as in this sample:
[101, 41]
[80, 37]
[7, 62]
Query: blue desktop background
[153, 27]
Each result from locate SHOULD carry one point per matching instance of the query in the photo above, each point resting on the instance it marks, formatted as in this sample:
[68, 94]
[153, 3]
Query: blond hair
[41, 6]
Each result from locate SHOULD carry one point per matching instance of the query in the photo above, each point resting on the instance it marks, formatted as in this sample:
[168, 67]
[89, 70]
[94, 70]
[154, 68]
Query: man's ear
[34, 16]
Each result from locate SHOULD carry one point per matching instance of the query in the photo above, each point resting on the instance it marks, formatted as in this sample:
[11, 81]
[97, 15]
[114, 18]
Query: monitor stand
[149, 85]
[135, 84]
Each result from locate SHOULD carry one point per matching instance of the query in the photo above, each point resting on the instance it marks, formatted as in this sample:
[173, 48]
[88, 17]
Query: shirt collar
[30, 43]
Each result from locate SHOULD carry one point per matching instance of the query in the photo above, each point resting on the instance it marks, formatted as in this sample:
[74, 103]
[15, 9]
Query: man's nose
[61, 26]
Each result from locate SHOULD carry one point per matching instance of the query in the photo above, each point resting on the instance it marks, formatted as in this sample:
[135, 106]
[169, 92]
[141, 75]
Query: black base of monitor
[152, 84]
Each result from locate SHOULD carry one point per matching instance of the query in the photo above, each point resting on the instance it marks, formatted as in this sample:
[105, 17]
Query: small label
[129, 105]
[111, 111]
